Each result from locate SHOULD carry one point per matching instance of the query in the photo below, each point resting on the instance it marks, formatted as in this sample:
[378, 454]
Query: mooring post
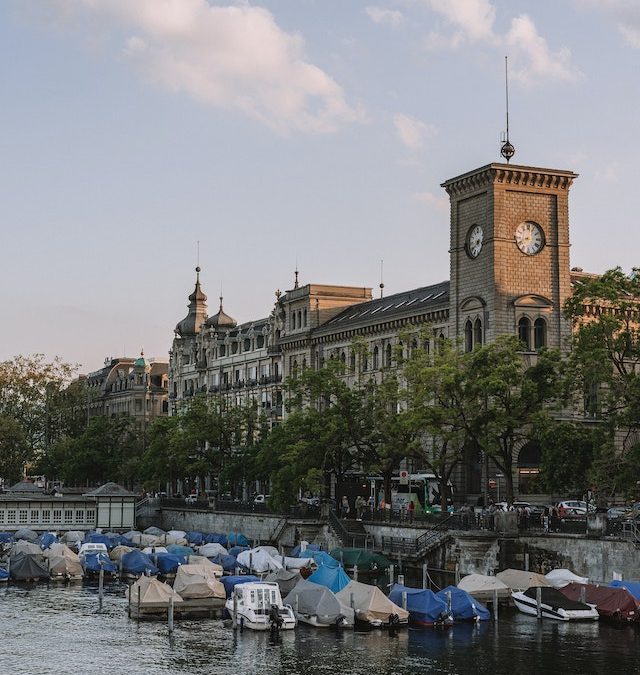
[129, 602]
[235, 610]
[251, 563]
[526, 561]
[401, 579]
[138, 605]
[539, 602]
[351, 600]
[457, 573]
[495, 604]
[424, 575]
[449, 600]
[404, 600]
[101, 584]
[170, 617]
[583, 594]
[391, 574]
[355, 573]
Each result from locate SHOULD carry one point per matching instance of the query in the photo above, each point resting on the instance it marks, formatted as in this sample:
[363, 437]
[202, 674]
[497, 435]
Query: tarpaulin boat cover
[232, 581]
[561, 577]
[4, 575]
[27, 547]
[153, 593]
[117, 552]
[197, 581]
[72, 537]
[236, 539]
[177, 549]
[519, 580]
[118, 540]
[46, 539]
[152, 550]
[257, 560]
[201, 560]
[6, 537]
[137, 562]
[25, 566]
[632, 586]
[370, 603]
[315, 600]
[168, 563]
[178, 534]
[143, 539]
[60, 565]
[216, 538]
[463, 605]
[286, 580]
[296, 563]
[63, 550]
[610, 601]
[234, 550]
[27, 535]
[323, 558]
[229, 563]
[365, 560]
[99, 538]
[195, 538]
[482, 587]
[212, 550]
[93, 562]
[131, 534]
[334, 578]
[299, 553]
[422, 604]
[154, 531]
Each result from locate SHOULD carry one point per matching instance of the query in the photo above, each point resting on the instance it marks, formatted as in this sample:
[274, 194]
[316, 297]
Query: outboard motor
[275, 619]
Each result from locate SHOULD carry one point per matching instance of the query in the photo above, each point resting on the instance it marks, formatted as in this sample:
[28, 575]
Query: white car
[261, 499]
[575, 507]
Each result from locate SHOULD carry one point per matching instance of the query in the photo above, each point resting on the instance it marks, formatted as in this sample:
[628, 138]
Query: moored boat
[317, 606]
[372, 607]
[426, 610]
[553, 605]
[613, 603]
[259, 606]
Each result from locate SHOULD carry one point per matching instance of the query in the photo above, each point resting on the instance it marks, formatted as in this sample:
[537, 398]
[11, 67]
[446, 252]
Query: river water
[60, 629]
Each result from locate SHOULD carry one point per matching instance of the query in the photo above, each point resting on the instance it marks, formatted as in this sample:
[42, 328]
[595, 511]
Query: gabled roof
[406, 303]
[25, 486]
[110, 490]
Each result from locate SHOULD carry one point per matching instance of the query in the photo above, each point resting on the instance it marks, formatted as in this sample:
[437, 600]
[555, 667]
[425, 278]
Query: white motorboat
[553, 605]
[259, 606]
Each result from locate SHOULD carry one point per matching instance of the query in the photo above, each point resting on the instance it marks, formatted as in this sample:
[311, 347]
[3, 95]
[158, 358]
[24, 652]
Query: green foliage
[14, 449]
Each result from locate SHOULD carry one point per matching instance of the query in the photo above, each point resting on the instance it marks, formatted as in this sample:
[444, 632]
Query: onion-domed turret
[221, 320]
[192, 323]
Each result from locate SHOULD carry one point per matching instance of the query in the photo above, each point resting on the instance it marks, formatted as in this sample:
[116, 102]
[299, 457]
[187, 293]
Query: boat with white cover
[259, 606]
[553, 605]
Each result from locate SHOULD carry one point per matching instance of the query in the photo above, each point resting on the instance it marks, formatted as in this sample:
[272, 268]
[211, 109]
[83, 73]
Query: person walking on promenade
[345, 506]
[411, 508]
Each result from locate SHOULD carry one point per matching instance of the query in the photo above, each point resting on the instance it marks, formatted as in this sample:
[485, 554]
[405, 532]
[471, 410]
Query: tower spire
[506, 150]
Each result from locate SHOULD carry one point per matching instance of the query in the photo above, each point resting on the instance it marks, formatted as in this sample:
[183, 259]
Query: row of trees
[434, 406]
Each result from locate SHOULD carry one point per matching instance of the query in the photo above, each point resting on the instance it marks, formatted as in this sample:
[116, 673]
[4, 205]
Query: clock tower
[509, 254]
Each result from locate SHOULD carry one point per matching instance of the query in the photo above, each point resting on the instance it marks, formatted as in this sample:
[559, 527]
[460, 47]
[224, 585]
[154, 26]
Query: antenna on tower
[506, 150]
[198, 253]
[381, 279]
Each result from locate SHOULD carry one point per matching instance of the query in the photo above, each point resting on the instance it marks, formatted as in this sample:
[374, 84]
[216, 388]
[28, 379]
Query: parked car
[261, 499]
[575, 507]
[191, 499]
[616, 512]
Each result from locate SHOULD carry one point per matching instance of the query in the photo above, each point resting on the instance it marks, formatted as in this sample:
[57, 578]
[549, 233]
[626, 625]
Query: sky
[283, 133]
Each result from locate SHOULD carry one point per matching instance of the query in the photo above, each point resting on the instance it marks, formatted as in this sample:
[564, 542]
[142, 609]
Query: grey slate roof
[25, 486]
[110, 490]
[399, 305]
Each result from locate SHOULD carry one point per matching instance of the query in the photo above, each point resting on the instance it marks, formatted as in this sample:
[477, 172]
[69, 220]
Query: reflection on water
[60, 629]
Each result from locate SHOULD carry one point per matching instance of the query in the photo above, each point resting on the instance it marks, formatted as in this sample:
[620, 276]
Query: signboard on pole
[404, 478]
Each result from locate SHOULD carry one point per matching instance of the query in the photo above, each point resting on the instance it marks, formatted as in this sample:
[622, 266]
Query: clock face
[529, 238]
[474, 241]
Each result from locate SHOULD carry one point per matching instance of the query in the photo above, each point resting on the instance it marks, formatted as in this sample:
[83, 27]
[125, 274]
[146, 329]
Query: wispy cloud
[472, 22]
[625, 14]
[392, 17]
[438, 202]
[412, 132]
[234, 57]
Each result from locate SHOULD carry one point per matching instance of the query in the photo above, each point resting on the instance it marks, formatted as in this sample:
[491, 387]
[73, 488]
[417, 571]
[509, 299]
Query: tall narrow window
[468, 336]
[524, 332]
[376, 357]
[387, 358]
[539, 333]
[299, 319]
[306, 320]
[352, 361]
[477, 333]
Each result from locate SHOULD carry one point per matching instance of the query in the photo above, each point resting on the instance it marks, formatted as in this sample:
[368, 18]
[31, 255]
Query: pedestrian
[411, 510]
[359, 505]
[345, 506]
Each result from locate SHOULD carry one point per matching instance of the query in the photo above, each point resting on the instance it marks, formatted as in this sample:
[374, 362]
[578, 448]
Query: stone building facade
[127, 386]
[509, 274]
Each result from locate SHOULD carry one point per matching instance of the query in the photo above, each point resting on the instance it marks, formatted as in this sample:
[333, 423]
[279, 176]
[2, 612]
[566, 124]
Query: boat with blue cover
[136, 563]
[463, 606]
[232, 581]
[425, 608]
[92, 563]
[632, 586]
[334, 578]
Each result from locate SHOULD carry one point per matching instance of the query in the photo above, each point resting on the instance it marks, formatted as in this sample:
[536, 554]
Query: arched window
[468, 336]
[292, 321]
[299, 319]
[352, 361]
[304, 363]
[477, 333]
[414, 345]
[387, 356]
[376, 357]
[539, 333]
[294, 369]
[306, 321]
[343, 358]
[524, 332]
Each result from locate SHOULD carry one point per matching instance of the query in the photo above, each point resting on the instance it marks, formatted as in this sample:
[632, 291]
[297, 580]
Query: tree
[605, 362]
[439, 404]
[506, 397]
[36, 394]
[14, 449]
